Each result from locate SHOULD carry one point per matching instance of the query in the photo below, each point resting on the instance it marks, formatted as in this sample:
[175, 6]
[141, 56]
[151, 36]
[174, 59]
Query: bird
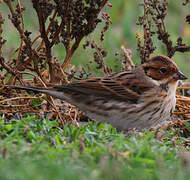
[140, 98]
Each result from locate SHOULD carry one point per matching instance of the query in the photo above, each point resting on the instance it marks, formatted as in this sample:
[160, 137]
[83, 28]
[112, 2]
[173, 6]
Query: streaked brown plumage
[139, 98]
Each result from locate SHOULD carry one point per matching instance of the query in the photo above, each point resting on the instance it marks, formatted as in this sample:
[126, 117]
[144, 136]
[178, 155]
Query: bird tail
[34, 89]
[49, 91]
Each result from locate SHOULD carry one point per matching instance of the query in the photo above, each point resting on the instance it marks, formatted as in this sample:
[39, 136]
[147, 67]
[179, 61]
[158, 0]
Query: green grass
[34, 149]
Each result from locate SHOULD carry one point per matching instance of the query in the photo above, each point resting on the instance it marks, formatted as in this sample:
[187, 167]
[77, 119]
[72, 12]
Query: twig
[70, 53]
[17, 98]
[127, 54]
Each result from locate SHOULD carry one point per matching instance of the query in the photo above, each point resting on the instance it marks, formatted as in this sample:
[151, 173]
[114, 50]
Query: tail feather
[52, 92]
[34, 89]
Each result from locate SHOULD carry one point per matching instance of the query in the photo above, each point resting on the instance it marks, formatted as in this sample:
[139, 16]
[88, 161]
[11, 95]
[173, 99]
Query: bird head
[163, 70]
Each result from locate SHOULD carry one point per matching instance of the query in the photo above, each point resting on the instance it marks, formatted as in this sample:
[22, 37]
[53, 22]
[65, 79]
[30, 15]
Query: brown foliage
[60, 22]
[78, 19]
[155, 13]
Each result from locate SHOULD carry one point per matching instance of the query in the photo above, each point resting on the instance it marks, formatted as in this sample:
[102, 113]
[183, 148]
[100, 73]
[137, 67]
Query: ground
[38, 149]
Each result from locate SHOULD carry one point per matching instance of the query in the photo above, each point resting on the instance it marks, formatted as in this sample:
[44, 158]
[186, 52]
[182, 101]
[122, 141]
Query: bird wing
[123, 86]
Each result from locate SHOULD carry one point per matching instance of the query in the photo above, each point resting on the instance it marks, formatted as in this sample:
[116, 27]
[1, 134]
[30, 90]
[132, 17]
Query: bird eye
[163, 70]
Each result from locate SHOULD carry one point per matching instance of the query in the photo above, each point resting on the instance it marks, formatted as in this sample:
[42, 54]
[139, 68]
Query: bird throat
[164, 86]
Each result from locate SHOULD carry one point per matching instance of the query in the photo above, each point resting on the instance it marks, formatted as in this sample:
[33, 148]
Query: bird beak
[179, 76]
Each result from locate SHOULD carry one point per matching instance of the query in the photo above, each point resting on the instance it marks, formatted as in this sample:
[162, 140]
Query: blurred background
[123, 30]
